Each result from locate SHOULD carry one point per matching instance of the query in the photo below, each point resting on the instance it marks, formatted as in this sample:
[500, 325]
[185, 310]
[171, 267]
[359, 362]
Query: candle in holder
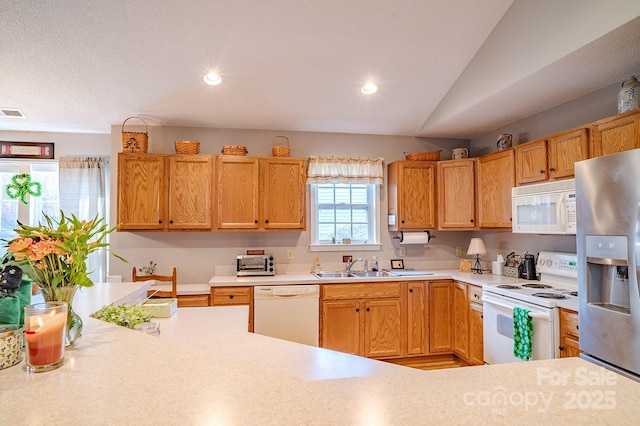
[45, 330]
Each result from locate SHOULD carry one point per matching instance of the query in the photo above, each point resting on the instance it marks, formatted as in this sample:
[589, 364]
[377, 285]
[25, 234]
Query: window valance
[347, 170]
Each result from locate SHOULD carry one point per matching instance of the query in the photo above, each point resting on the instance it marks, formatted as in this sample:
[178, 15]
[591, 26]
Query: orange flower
[18, 245]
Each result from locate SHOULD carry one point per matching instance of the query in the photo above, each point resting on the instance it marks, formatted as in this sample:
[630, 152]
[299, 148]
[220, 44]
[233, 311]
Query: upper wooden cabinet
[145, 180]
[551, 158]
[261, 193]
[456, 195]
[564, 150]
[141, 192]
[412, 195]
[615, 134]
[495, 176]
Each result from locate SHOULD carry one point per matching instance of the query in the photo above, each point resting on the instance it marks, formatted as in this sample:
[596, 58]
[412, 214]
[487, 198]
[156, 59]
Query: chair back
[173, 279]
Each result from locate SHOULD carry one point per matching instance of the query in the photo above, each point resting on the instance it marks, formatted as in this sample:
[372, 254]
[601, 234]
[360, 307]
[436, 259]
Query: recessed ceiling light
[369, 88]
[212, 79]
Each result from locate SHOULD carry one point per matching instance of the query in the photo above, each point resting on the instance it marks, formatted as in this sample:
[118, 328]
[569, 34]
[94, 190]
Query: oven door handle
[535, 315]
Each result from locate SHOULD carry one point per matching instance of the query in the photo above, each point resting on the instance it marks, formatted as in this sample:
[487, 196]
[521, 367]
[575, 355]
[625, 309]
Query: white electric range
[558, 282]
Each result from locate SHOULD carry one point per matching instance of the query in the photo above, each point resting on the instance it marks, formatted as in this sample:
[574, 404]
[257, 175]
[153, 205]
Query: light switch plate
[290, 254]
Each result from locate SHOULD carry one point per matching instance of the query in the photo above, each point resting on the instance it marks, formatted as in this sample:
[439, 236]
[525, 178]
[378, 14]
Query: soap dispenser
[374, 264]
[316, 265]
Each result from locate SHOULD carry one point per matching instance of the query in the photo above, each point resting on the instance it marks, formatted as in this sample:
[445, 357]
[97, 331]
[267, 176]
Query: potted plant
[54, 255]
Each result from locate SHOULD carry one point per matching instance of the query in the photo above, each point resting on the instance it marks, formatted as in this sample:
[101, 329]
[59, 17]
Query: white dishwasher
[288, 312]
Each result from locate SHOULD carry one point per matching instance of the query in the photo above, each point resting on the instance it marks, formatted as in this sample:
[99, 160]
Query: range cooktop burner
[546, 295]
[509, 286]
[574, 293]
[536, 286]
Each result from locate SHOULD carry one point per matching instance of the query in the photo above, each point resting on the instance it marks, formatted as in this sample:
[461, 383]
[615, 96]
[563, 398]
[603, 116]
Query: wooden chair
[173, 279]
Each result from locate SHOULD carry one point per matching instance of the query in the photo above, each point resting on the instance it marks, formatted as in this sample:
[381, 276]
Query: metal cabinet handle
[357, 309]
[561, 348]
[552, 169]
[160, 221]
[541, 171]
[170, 221]
[255, 221]
[410, 290]
[231, 296]
[368, 309]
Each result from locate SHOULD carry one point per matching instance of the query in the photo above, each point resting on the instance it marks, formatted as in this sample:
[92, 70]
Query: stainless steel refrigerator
[608, 246]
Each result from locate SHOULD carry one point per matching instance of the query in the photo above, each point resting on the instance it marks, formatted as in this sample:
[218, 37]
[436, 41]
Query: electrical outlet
[403, 251]
[290, 254]
[459, 251]
[346, 259]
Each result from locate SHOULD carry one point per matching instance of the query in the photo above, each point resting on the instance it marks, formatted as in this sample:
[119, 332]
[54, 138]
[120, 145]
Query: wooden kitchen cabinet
[193, 300]
[417, 337]
[460, 321]
[412, 195]
[440, 314]
[456, 194]
[233, 296]
[569, 334]
[615, 134]
[363, 319]
[141, 192]
[564, 150]
[261, 193]
[531, 162]
[495, 176]
[164, 192]
[476, 326]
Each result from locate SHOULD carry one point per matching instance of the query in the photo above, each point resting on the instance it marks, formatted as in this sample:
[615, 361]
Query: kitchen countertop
[206, 369]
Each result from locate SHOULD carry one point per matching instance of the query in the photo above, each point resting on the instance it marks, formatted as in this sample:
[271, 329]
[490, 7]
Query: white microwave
[544, 208]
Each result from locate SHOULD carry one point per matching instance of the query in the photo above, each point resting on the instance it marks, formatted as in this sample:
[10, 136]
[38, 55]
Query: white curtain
[346, 170]
[82, 193]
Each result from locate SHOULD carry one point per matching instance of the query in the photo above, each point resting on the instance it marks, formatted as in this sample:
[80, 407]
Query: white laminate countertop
[206, 369]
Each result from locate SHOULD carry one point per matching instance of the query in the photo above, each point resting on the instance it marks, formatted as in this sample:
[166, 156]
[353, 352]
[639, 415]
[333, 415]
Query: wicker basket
[234, 150]
[187, 147]
[422, 156]
[280, 150]
[135, 142]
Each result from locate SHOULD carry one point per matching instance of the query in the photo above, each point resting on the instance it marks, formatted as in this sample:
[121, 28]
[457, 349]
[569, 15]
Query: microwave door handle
[561, 209]
[531, 314]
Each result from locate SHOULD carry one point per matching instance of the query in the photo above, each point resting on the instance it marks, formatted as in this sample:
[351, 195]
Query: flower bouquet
[54, 255]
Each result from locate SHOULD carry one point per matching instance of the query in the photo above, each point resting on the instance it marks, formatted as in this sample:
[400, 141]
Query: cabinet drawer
[192, 300]
[475, 294]
[230, 296]
[569, 322]
[360, 291]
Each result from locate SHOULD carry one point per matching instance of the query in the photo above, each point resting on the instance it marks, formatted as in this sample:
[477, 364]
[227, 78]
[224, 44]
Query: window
[13, 210]
[340, 211]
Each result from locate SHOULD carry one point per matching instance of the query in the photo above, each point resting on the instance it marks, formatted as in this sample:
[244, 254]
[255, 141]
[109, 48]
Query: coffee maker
[528, 271]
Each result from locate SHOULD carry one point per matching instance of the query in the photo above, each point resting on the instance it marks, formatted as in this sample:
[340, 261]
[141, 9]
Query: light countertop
[206, 369]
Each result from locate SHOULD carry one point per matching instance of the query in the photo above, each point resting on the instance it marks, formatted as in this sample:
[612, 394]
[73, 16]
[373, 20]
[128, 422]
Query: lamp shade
[476, 246]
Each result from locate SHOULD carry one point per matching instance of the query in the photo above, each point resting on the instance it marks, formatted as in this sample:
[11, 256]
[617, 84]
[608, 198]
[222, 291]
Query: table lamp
[477, 247]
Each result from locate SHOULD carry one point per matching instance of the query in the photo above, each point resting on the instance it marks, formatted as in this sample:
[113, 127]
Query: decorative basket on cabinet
[422, 156]
[187, 147]
[135, 142]
[280, 150]
[234, 150]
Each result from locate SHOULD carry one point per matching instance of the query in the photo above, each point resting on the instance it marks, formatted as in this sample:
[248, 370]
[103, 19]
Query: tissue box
[160, 308]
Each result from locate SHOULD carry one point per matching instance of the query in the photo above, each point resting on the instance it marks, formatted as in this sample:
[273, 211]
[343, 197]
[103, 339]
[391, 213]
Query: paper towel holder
[401, 237]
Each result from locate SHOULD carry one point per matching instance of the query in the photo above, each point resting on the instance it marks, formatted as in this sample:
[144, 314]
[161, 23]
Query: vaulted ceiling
[455, 68]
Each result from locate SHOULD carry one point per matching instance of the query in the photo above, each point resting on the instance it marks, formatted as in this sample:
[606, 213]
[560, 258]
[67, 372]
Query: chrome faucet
[350, 264]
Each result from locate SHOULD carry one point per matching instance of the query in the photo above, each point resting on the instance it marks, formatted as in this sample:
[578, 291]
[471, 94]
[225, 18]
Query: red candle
[45, 333]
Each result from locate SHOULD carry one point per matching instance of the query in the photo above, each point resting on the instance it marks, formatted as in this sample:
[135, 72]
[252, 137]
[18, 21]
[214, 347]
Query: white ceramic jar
[628, 95]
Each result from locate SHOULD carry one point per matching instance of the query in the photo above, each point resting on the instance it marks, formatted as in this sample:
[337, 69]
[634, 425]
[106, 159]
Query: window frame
[374, 215]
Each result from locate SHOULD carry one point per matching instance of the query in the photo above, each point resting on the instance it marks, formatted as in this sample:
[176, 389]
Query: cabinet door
[456, 194]
[341, 326]
[237, 192]
[460, 320]
[495, 177]
[141, 192]
[531, 162]
[565, 150]
[615, 134]
[440, 311]
[476, 338]
[412, 195]
[382, 328]
[283, 193]
[190, 192]
[416, 318]
[569, 346]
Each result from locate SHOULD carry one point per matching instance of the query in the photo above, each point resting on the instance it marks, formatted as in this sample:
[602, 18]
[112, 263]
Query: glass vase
[74, 322]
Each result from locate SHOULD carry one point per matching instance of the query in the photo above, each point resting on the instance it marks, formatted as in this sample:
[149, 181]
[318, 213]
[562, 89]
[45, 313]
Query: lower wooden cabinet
[229, 296]
[467, 323]
[193, 300]
[417, 336]
[476, 336]
[363, 319]
[569, 334]
[440, 313]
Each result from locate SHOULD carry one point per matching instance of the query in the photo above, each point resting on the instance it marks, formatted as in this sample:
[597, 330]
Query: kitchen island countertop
[205, 369]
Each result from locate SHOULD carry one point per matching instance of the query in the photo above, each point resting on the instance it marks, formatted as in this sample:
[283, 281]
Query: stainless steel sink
[338, 274]
[370, 274]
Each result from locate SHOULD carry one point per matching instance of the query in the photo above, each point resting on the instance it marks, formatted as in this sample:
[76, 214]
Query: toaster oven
[255, 265]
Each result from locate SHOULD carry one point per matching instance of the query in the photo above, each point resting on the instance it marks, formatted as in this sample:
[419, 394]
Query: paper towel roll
[415, 237]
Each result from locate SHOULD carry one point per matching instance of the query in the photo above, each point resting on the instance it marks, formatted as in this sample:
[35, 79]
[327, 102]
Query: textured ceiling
[457, 68]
